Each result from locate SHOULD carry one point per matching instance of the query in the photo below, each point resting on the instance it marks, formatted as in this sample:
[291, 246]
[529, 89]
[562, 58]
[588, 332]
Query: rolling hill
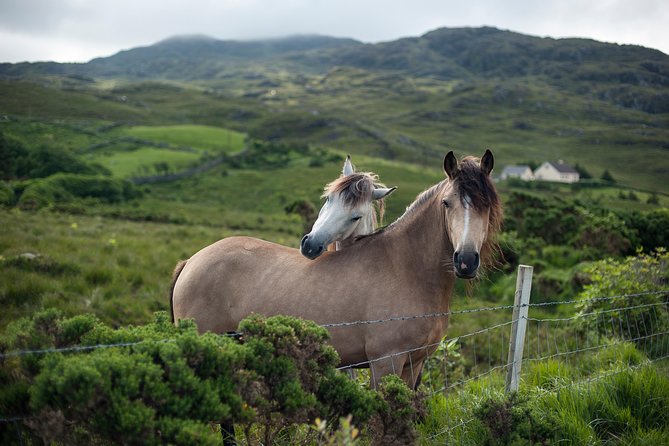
[603, 106]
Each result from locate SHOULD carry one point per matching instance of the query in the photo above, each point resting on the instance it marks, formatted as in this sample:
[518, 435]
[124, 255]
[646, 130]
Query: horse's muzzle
[466, 264]
[311, 249]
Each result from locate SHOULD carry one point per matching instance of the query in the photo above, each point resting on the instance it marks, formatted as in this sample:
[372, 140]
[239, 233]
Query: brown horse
[407, 269]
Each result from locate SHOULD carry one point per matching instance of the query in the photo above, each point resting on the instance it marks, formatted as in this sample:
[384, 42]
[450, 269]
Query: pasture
[201, 137]
[113, 260]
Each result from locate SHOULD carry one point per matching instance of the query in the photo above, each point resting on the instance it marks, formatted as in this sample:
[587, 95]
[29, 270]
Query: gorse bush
[167, 384]
[637, 318]
[65, 188]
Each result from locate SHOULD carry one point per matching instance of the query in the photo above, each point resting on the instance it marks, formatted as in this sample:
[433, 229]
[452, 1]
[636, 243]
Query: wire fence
[553, 349]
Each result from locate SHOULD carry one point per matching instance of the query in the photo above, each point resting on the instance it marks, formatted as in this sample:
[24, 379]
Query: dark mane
[472, 182]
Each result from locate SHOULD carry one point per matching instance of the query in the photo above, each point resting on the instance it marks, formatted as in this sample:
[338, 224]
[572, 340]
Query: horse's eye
[447, 204]
[356, 218]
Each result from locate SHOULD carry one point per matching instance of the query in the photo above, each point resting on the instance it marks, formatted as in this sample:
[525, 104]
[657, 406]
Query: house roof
[561, 167]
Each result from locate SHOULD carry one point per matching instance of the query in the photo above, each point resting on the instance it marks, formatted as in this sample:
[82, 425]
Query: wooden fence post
[519, 326]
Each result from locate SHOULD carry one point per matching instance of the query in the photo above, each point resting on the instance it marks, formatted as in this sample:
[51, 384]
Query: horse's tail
[175, 275]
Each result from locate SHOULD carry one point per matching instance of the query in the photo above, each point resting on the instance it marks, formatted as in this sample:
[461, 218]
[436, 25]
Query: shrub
[514, 419]
[6, 194]
[400, 410]
[64, 188]
[166, 384]
[637, 317]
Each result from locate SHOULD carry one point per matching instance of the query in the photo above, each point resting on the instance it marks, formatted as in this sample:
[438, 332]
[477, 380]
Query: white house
[559, 171]
[522, 172]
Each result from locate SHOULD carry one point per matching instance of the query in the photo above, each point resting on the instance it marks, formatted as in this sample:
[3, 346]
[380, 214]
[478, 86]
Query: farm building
[559, 171]
[522, 172]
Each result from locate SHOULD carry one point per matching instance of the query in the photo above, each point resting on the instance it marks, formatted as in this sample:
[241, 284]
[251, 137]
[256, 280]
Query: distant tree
[584, 174]
[622, 195]
[305, 210]
[606, 176]
[632, 196]
[162, 167]
[532, 165]
[653, 199]
[47, 160]
[12, 156]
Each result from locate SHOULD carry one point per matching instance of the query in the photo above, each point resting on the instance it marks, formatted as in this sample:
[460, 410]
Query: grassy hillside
[416, 120]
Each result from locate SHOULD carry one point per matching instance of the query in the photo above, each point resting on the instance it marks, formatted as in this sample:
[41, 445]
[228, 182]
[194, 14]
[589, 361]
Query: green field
[200, 137]
[143, 161]
[92, 242]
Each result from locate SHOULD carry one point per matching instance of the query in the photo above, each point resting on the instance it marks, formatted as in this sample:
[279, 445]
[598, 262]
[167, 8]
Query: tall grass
[614, 398]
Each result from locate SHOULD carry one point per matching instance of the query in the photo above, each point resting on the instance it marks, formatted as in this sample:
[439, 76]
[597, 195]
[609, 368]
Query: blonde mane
[357, 188]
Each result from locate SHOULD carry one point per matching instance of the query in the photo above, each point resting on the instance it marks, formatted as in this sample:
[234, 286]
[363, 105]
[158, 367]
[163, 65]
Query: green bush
[398, 414]
[6, 194]
[64, 188]
[635, 318]
[167, 384]
[516, 420]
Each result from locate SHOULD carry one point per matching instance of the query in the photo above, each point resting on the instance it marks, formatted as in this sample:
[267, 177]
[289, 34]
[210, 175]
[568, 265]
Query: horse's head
[348, 210]
[472, 210]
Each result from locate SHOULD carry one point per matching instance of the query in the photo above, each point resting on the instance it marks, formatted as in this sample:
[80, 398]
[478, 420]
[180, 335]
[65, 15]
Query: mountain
[182, 58]
[628, 75]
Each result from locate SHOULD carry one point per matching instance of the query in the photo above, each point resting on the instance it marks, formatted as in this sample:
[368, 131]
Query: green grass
[605, 401]
[396, 116]
[196, 136]
[143, 161]
[118, 270]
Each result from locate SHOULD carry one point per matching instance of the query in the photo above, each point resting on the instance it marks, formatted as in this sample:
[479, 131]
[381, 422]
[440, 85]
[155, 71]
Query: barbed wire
[595, 313]
[435, 345]
[603, 375]
[76, 348]
[423, 347]
[595, 347]
[483, 309]
[358, 322]
[448, 430]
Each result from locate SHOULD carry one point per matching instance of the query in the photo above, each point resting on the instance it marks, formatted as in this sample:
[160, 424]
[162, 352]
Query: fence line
[610, 324]
[462, 423]
[372, 321]
[495, 308]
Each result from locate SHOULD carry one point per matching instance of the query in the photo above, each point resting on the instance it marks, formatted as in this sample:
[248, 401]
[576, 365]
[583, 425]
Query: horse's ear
[487, 162]
[382, 192]
[348, 167]
[451, 165]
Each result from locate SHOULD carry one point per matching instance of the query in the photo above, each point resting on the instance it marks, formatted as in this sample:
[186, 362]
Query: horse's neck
[365, 227]
[422, 238]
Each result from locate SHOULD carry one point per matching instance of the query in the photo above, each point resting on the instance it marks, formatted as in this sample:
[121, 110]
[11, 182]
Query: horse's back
[210, 287]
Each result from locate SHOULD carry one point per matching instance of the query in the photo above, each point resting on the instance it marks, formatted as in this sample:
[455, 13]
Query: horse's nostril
[304, 240]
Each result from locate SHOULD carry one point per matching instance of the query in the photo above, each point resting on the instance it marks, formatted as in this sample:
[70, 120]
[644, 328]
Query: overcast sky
[79, 30]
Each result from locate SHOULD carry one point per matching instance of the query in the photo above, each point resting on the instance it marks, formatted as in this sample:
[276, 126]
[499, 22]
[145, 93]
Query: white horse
[354, 205]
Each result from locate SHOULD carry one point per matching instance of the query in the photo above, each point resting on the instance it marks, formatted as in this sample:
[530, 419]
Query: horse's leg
[419, 378]
[228, 433]
[412, 372]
